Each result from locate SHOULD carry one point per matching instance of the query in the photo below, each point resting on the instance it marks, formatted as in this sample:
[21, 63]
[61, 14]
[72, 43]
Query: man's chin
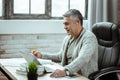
[68, 34]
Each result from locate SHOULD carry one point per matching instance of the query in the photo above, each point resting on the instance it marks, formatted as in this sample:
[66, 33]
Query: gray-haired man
[79, 51]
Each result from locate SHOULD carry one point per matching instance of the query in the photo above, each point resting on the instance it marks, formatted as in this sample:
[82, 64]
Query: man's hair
[75, 14]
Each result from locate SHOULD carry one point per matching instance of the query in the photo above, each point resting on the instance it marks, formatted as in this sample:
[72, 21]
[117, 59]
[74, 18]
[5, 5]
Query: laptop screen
[29, 57]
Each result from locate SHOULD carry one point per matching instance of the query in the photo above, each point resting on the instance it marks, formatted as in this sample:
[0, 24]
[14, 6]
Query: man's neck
[78, 33]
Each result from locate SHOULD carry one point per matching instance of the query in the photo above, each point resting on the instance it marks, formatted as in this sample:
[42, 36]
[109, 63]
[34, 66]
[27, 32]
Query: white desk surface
[10, 66]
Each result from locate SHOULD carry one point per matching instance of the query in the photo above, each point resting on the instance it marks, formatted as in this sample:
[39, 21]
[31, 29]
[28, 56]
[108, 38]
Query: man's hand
[37, 54]
[58, 73]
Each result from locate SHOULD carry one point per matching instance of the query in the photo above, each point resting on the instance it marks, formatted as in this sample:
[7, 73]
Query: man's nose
[65, 27]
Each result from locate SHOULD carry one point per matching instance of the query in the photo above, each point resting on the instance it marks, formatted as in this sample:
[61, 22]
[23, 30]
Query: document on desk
[52, 67]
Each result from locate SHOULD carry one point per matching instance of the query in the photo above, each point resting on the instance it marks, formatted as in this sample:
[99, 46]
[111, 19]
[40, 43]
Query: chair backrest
[109, 45]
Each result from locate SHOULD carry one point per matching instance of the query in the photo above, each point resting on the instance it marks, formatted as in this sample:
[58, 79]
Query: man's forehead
[66, 22]
[66, 19]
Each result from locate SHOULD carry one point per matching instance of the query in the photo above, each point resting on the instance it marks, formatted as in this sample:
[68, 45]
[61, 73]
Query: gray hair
[75, 14]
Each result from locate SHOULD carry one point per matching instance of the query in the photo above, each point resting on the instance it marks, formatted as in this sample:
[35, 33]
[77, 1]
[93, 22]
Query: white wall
[32, 26]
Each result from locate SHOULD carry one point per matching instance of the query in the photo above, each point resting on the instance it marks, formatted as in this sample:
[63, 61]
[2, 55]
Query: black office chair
[108, 51]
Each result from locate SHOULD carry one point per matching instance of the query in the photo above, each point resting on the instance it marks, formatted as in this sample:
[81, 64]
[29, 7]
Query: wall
[11, 44]
[31, 26]
[16, 35]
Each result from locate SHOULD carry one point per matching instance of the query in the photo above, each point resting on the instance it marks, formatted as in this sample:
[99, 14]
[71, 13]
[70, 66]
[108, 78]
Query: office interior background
[37, 24]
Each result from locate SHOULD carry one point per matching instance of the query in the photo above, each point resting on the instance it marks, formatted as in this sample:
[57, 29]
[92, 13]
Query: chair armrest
[97, 74]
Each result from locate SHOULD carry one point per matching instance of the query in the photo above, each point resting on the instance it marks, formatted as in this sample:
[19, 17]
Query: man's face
[70, 26]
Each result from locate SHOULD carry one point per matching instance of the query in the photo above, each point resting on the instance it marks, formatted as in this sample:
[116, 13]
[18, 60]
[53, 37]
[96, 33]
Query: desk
[10, 66]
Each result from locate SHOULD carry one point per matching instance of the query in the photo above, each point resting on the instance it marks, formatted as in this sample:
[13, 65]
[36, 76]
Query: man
[79, 51]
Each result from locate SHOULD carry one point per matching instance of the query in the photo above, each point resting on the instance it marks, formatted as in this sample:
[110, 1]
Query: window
[41, 9]
[38, 6]
[29, 7]
[78, 4]
[59, 8]
[0, 7]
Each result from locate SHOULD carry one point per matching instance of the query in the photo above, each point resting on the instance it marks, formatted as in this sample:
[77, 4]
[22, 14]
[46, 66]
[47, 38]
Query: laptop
[29, 57]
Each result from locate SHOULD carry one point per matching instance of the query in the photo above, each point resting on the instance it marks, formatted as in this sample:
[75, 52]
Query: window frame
[8, 6]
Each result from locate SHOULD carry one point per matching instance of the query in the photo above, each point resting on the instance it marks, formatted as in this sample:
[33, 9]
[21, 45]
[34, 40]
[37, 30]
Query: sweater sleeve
[55, 56]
